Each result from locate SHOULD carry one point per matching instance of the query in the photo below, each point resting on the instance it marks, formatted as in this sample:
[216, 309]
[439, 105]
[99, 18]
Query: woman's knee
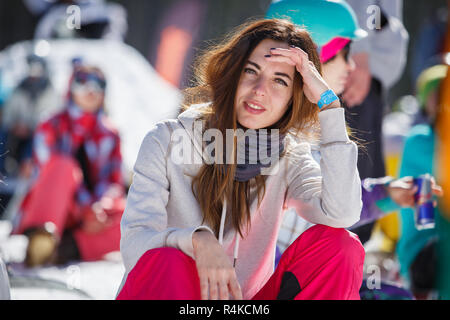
[164, 261]
[339, 242]
[348, 245]
[162, 273]
[165, 255]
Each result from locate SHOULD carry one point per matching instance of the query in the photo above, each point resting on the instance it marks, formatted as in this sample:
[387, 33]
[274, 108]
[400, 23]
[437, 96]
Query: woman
[74, 206]
[192, 231]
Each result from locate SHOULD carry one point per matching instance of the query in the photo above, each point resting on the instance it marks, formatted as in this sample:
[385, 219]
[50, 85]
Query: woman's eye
[249, 71]
[281, 81]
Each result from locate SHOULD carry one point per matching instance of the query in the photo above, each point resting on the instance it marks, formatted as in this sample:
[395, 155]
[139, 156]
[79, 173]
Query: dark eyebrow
[276, 73]
[283, 75]
[254, 64]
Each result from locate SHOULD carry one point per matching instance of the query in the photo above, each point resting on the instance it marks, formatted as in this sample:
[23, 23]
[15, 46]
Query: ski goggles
[88, 81]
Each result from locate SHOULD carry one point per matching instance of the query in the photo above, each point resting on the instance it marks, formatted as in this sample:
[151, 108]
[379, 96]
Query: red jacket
[87, 136]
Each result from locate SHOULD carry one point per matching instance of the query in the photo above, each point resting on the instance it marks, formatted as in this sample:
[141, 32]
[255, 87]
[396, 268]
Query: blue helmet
[323, 19]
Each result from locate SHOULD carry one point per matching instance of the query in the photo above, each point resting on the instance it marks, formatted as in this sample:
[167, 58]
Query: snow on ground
[98, 280]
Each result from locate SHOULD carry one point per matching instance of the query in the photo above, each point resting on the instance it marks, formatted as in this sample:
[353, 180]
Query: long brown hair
[217, 76]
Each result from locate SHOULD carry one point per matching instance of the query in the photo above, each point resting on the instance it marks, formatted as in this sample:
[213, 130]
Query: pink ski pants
[322, 263]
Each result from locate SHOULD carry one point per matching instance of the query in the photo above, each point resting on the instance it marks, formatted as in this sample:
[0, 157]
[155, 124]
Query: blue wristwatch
[326, 98]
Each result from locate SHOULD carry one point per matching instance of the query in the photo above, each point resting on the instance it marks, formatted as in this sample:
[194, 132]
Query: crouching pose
[208, 229]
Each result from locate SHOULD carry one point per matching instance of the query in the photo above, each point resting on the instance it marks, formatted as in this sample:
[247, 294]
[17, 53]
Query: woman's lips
[253, 108]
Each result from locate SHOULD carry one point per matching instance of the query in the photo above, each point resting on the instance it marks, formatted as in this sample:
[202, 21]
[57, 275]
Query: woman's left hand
[313, 83]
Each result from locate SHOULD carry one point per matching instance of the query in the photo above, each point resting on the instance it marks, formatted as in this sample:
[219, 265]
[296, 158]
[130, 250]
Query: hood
[193, 126]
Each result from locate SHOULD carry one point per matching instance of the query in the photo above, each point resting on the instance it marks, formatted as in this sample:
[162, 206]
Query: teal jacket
[418, 158]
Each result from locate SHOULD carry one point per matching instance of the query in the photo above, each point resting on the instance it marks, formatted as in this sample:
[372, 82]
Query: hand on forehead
[263, 49]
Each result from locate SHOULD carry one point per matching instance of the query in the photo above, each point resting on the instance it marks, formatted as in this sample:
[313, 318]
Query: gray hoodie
[162, 211]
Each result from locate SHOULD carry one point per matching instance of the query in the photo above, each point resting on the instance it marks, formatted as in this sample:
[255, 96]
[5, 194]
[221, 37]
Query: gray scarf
[256, 149]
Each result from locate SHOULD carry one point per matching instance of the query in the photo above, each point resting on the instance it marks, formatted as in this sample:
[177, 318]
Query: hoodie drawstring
[222, 222]
[221, 230]
[236, 248]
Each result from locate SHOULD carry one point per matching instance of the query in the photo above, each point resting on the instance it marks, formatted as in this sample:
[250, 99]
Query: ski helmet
[323, 19]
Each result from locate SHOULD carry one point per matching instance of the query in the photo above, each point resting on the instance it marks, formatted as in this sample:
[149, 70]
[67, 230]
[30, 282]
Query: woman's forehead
[263, 48]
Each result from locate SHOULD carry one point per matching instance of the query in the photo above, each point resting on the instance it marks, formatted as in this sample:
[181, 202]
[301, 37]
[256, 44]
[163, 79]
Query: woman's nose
[259, 87]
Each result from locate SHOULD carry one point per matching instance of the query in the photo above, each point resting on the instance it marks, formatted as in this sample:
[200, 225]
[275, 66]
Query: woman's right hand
[217, 276]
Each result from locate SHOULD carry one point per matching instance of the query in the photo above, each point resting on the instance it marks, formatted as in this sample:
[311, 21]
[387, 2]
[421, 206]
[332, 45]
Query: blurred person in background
[33, 100]
[73, 208]
[424, 255]
[379, 61]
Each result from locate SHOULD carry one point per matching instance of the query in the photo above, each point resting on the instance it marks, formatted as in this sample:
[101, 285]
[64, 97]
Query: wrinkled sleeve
[329, 193]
